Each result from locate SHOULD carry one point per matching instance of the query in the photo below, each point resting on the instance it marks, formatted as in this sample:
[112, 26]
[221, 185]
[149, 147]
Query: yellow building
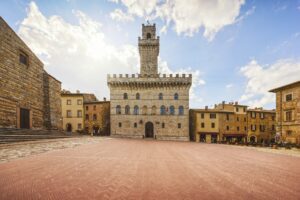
[261, 125]
[225, 122]
[204, 124]
[72, 111]
[288, 112]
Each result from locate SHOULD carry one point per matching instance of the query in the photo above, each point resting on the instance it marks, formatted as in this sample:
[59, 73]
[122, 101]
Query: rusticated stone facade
[29, 96]
[97, 117]
[288, 112]
[150, 104]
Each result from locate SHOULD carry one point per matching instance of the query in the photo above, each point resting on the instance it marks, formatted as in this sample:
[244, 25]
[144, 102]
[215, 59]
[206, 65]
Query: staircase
[11, 135]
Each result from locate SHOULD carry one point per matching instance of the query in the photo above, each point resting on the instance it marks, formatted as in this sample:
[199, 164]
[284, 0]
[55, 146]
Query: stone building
[150, 104]
[224, 122]
[29, 96]
[288, 112]
[97, 117]
[72, 110]
[261, 125]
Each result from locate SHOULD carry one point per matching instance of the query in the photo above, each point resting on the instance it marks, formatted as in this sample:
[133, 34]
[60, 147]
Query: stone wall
[149, 97]
[21, 83]
[52, 102]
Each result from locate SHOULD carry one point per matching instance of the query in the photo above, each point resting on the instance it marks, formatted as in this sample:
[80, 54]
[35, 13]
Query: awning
[235, 135]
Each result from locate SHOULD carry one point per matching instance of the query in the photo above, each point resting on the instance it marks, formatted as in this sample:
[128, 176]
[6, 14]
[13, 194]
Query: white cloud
[261, 79]
[189, 16]
[228, 86]
[119, 15]
[80, 55]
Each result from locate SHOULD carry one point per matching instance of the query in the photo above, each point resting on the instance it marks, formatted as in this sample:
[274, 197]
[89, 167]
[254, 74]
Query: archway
[252, 139]
[149, 130]
[69, 127]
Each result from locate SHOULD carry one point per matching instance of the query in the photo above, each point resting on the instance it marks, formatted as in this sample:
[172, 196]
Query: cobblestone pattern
[10, 152]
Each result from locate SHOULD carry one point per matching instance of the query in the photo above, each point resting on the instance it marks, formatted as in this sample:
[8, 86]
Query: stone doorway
[69, 127]
[24, 118]
[252, 139]
[149, 130]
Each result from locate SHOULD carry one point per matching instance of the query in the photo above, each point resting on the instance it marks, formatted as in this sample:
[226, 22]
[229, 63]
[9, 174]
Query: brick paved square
[149, 169]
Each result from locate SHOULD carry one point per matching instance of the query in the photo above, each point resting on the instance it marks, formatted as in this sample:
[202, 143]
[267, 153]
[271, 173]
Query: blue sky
[236, 52]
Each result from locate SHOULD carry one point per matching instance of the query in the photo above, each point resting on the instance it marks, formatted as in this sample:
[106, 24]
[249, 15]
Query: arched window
[162, 110]
[127, 110]
[137, 96]
[118, 109]
[144, 111]
[160, 96]
[153, 110]
[172, 110]
[136, 110]
[175, 96]
[181, 110]
[125, 96]
[148, 35]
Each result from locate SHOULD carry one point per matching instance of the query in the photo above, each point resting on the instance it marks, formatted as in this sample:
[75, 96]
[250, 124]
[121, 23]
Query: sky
[236, 50]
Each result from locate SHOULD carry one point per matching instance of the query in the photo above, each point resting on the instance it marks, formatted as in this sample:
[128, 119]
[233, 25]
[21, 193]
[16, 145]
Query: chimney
[236, 103]
[77, 91]
[104, 98]
[206, 107]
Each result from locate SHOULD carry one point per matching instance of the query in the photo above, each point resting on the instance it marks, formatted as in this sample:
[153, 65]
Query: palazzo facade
[149, 104]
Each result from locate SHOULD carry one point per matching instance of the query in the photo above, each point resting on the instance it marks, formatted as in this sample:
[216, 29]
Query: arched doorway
[149, 130]
[96, 130]
[69, 127]
[252, 139]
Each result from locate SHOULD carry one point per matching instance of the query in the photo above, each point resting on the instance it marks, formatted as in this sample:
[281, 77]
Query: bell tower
[149, 50]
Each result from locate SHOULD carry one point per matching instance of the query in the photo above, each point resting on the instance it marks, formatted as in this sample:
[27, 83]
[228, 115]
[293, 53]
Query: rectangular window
[213, 116]
[253, 114]
[262, 128]
[23, 58]
[87, 117]
[94, 107]
[273, 118]
[289, 97]
[120, 124]
[227, 128]
[245, 128]
[202, 115]
[135, 125]
[262, 115]
[86, 108]
[162, 125]
[253, 127]
[94, 117]
[79, 113]
[179, 125]
[245, 119]
[288, 116]
[202, 125]
[213, 125]
[227, 117]
[79, 126]
[244, 109]
[69, 113]
[237, 109]
[237, 119]
[273, 127]
[238, 128]
[289, 133]
[79, 102]
[69, 102]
